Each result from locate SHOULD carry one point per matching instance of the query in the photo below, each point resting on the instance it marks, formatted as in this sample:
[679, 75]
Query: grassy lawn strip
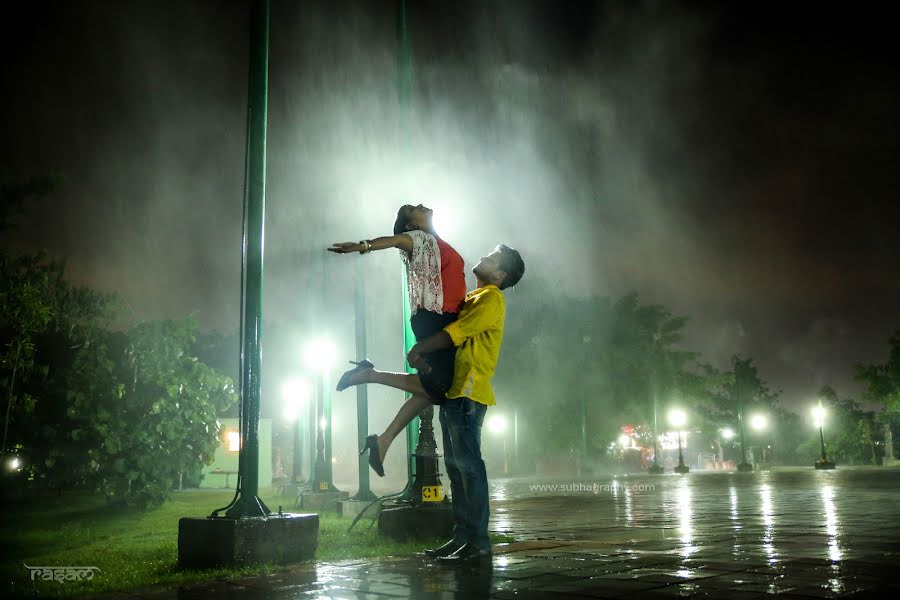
[135, 549]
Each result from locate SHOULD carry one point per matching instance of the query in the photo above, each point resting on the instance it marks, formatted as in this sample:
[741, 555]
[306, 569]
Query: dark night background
[735, 162]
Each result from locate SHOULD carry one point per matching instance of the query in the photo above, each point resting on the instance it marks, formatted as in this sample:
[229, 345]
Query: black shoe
[445, 550]
[374, 459]
[469, 555]
[344, 381]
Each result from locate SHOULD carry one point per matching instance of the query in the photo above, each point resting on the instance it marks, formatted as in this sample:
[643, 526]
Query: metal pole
[404, 93]
[362, 396]
[248, 504]
[822, 441]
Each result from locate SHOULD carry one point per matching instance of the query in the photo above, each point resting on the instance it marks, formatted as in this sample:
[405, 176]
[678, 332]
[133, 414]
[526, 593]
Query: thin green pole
[404, 95]
[248, 503]
[362, 398]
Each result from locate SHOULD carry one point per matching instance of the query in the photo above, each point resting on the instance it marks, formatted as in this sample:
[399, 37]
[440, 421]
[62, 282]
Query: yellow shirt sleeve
[483, 313]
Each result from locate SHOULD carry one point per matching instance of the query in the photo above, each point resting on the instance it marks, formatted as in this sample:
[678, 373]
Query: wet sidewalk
[796, 533]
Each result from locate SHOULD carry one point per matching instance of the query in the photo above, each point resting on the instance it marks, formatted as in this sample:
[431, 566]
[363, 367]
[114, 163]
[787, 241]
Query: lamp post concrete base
[351, 508]
[204, 543]
[682, 469]
[316, 500]
[824, 464]
[655, 469]
[744, 467]
[427, 521]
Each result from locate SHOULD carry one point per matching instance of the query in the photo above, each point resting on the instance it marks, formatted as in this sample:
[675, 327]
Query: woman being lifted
[437, 288]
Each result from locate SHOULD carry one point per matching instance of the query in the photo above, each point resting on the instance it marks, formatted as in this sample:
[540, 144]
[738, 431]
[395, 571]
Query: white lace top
[423, 273]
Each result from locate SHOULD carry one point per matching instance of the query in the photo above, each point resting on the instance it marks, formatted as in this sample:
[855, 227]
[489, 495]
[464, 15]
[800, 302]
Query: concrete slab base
[432, 520]
[319, 501]
[351, 508]
[204, 542]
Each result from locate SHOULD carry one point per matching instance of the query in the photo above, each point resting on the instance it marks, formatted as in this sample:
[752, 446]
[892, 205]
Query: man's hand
[345, 247]
[417, 361]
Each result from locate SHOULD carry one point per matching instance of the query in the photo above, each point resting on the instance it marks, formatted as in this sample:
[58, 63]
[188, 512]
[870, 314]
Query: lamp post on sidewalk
[678, 418]
[819, 416]
[497, 424]
[759, 423]
[320, 355]
[295, 395]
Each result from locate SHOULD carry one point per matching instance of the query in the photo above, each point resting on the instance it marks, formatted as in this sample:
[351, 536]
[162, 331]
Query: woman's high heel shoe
[344, 381]
[374, 458]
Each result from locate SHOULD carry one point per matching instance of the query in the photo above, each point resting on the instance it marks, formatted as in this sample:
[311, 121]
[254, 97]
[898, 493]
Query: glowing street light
[294, 395]
[759, 422]
[727, 434]
[678, 419]
[625, 440]
[818, 412]
[320, 354]
[497, 424]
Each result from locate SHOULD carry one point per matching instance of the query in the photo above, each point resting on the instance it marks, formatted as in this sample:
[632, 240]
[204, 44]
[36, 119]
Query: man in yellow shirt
[477, 335]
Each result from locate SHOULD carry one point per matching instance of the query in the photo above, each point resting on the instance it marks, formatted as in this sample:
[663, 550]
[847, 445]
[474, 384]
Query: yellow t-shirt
[477, 334]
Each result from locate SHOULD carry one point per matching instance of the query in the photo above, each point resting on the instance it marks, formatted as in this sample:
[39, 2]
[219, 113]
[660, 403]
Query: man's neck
[480, 283]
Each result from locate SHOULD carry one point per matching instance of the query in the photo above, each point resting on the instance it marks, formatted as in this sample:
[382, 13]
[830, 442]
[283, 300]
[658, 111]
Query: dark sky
[735, 162]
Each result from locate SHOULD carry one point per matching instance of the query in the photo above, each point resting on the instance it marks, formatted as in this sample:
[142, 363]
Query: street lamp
[320, 356]
[497, 424]
[678, 418]
[819, 417]
[727, 434]
[295, 396]
[759, 423]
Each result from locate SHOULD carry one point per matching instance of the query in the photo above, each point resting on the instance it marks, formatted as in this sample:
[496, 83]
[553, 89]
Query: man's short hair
[512, 264]
[402, 219]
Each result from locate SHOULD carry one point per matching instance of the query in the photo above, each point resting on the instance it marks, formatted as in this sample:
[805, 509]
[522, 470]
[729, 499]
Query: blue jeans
[461, 421]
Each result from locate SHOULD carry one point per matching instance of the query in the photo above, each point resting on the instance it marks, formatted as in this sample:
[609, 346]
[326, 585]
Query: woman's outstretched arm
[402, 241]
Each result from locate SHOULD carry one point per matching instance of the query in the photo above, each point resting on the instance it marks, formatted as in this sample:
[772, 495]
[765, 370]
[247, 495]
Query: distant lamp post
[759, 423]
[625, 441]
[320, 356]
[655, 468]
[727, 435]
[295, 394]
[498, 424]
[819, 417]
[678, 418]
[233, 439]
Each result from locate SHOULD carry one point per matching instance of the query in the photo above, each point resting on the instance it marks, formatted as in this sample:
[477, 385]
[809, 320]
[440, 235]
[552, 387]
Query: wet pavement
[799, 533]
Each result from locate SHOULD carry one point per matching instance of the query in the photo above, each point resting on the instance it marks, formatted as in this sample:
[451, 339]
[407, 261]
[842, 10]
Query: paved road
[800, 533]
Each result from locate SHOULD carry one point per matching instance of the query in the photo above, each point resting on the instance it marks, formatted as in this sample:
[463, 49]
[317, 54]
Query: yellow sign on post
[323, 485]
[432, 493]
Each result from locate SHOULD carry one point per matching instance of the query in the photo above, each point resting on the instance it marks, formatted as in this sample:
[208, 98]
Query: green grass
[136, 549]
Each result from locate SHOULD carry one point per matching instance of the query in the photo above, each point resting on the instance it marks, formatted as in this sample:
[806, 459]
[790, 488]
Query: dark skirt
[437, 383]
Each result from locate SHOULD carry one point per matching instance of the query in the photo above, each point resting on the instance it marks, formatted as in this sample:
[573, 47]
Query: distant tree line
[607, 359]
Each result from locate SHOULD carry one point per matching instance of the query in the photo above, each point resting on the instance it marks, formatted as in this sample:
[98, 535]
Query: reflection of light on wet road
[735, 521]
[831, 523]
[685, 515]
[765, 495]
[501, 521]
[499, 490]
[629, 502]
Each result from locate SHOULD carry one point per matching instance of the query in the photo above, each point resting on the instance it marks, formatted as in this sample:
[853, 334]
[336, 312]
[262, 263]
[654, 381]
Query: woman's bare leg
[409, 411]
[401, 381]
